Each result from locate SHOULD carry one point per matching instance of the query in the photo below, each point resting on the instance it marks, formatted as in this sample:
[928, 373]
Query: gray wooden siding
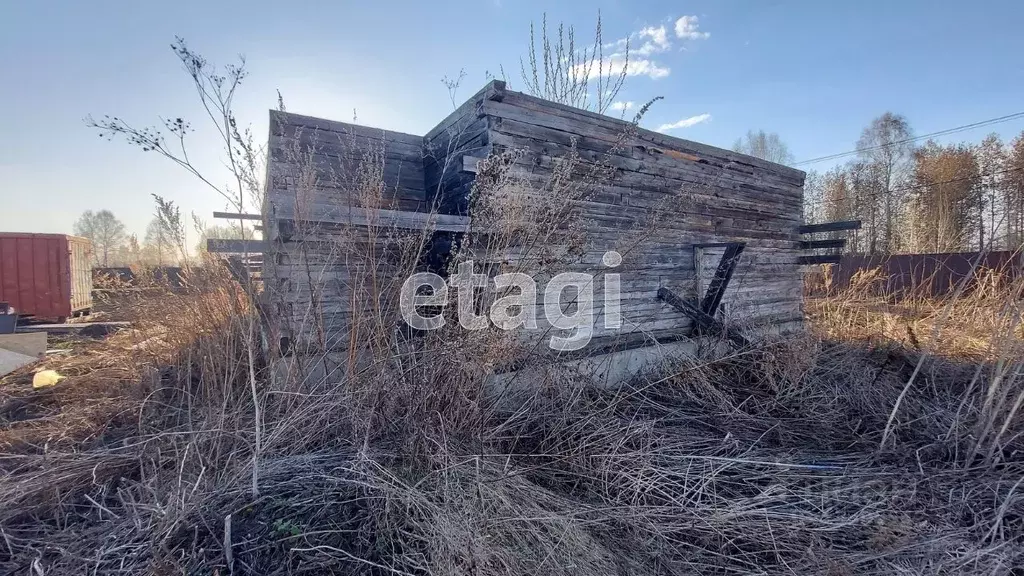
[716, 195]
[464, 133]
[337, 152]
[725, 196]
[316, 178]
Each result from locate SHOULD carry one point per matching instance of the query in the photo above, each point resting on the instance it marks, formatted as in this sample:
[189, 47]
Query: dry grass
[980, 323]
[837, 452]
[103, 372]
[766, 461]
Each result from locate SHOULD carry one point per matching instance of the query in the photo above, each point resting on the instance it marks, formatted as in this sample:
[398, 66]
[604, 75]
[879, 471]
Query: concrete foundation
[608, 370]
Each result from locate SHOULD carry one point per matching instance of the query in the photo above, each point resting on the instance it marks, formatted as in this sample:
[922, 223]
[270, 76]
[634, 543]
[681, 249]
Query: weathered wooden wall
[321, 174]
[462, 134]
[699, 194]
[702, 195]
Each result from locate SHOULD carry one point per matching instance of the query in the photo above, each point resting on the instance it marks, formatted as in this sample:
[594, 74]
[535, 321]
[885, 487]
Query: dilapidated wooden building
[704, 233]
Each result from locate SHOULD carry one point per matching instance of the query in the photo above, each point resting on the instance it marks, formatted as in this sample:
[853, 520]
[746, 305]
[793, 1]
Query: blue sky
[816, 72]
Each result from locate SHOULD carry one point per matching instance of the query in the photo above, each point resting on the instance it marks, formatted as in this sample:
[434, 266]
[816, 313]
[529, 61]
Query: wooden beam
[830, 226]
[237, 216]
[469, 163]
[714, 245]
[705, 323]
[815, 244]
[320, 212]
[99, 328]
[820, 259]
[231, 246]
[720, 281]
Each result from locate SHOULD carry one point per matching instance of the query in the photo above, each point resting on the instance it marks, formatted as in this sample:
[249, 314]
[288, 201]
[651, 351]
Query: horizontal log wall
[327, 161]
[659, 198]
[321, 186]
[464, 133]
[700, 194]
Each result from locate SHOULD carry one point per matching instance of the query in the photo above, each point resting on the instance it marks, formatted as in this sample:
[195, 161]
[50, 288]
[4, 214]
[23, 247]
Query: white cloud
[687, 28]
[685, 122]
[644, 67]
[622, 105]
[614, 64]
[655, 40]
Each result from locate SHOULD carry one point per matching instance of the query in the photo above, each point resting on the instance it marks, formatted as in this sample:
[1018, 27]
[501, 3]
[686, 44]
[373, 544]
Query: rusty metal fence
[922, 275]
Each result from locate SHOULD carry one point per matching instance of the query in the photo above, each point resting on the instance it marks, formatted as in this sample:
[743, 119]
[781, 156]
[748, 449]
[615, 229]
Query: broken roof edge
[497, 89]
[659, 137]
[493, 90]
[316, 122]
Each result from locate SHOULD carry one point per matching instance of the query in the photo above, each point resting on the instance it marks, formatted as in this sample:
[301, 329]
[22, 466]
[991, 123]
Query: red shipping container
[45, 275]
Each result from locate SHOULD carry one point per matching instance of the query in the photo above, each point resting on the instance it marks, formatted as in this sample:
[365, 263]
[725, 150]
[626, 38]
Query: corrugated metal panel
[45, 275]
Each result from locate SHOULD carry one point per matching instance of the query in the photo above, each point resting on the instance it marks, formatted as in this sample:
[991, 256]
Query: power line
[963, 128]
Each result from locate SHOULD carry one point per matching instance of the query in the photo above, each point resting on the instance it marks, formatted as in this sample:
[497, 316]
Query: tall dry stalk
[560, 71]
[215, 88]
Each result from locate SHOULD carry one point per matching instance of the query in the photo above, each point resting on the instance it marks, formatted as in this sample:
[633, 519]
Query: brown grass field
[887, 440]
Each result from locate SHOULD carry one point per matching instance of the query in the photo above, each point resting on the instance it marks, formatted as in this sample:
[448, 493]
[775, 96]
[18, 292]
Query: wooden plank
[237, 216]
[469, 163]
[830, 226]
[329, 193]
[348, 171]
[815, 244]
[494, 90]
[292, 143]
[228, 245]
[693, 175]
[720, 281]
[319, 212]
[820, 259]
[714, 245]
[279, 120]
[89, 327]
[706, 323]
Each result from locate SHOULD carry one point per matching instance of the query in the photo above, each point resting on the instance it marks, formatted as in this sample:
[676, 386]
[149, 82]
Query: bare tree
[557, 70]
[156, 246]
[991, 160]
[886, 147]
[131, 251]
[814, 200]
[104, 230]
[864, 182]
[945, 198]
[840, 202]
[1013, 193]
[767, 146]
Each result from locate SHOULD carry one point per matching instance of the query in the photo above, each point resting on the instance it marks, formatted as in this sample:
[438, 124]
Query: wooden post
[720, 281]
